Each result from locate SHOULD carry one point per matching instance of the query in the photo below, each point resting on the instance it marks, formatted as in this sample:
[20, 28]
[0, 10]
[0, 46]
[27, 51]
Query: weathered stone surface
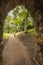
[32, 5]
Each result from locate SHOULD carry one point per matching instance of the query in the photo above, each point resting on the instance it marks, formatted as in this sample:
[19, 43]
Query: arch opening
[18, 20]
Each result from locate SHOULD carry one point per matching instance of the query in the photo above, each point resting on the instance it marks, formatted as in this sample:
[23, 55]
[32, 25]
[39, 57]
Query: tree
[20, 15]
[19, 21]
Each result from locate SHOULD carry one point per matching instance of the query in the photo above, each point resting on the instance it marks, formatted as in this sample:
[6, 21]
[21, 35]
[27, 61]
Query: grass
[30, 31]
[6, 35]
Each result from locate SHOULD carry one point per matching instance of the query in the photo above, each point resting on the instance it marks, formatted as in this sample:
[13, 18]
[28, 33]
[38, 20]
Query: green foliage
[32, 31]
[6, 35]
[17, 22]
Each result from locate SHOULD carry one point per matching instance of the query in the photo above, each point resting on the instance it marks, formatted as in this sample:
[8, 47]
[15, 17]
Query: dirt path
[16, 52]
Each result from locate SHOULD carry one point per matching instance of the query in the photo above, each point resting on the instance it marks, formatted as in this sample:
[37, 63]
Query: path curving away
[15, 53]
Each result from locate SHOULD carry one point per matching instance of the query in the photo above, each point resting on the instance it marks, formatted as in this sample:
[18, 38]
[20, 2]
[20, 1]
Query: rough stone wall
[39, 30]
[7, 5]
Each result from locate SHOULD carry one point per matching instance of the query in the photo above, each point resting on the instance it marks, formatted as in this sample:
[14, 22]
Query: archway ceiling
[7, 5]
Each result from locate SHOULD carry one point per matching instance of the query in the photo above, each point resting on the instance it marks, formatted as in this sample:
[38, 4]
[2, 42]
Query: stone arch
[7, 5]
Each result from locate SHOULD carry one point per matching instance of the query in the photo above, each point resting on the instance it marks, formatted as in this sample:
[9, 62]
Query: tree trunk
[25, 26]
[25, 23]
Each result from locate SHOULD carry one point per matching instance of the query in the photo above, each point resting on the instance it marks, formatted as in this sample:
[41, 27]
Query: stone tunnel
[34, 6]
